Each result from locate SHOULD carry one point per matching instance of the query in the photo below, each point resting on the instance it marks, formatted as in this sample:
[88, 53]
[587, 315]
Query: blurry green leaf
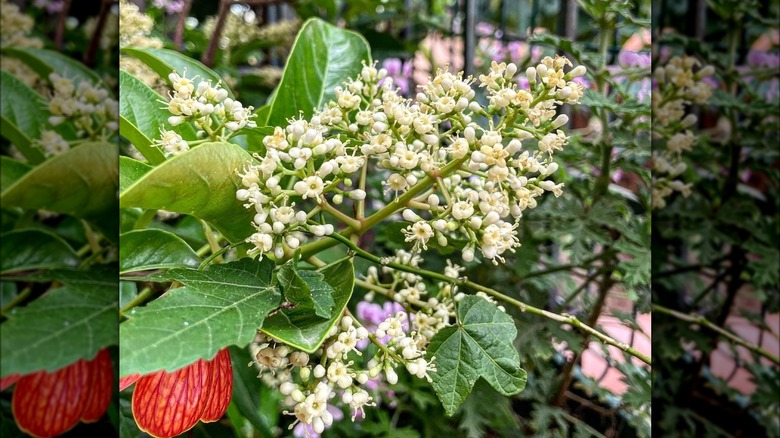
[81, 182]
[45, 62]
[164, 62]
[143, 250]
[31, 249]
[221, 306]
[23, 113]
[322, 57]
[68, 323]
[247, 390]
[10, 171]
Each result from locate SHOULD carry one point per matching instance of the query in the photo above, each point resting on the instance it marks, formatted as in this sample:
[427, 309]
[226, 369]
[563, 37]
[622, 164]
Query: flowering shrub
[282, 198]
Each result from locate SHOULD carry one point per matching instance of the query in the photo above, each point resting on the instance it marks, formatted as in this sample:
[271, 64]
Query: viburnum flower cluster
[483, 177]
[17, 33]
[135, 30]
[207, 107]
[680, 84]
[85, 106]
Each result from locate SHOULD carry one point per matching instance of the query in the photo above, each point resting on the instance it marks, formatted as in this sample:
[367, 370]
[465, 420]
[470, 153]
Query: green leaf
[298, 327]
[66, 324]
[31, 249]
[480, 345]
[130, 171]
[44, 62]
[22, 114]
[262, 114]
[322, 57]
[10, 171]
[251, 139]
[81, 182]
[164, 62]
[201, 183]
[222, 306]
[307, 290]
[247, 390]
[144, 250]
[142, 114]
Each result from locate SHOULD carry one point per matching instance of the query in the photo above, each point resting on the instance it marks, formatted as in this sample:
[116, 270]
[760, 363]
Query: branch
[178, 37]
[523, 307]
[59, 34]
[704, 322]
[208, 55]
[94, 42]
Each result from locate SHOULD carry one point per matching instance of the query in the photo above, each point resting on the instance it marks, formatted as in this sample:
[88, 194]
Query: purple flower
[484, 29]
[400, 72]
[170, 6]
[627, 58]
[51, 6]
[760, 58]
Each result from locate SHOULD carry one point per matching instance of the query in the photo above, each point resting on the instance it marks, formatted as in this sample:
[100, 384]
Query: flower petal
[7, 381]
[168, 404]
[126, 381]
[221, 388]
[100, 388]
[48, 404]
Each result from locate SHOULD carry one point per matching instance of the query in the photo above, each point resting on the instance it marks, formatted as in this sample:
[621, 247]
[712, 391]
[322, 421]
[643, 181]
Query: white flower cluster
[485, 177]
[135, 29]
[680, 84]
[205, 105]
[310, 382]
[17, 33]
[88, 107]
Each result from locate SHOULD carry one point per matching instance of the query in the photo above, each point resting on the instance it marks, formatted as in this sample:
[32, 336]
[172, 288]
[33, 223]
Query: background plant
[715, 256]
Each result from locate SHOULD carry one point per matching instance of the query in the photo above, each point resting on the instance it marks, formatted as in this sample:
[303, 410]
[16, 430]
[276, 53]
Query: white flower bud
[559, 121]
[530, 73]
[287, 388]
[338, 199]
[469, 134]
[357, 194]
[511, 69]
[689, 121]
[433, 200]
[468, 255]
[319, 371]
[410, 216]
[541, 69]
[578, 71]
[390, 375]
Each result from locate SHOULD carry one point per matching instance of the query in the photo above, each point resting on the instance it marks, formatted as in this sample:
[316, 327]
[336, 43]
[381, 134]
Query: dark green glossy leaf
[164, 62]
[10, 171]
[130, 171]
[22, 114]
[66, 324]
[221, 306]
[144, 250]
[201, 183]
[307, 290]
[322, 57]
[31, 249]
[479, 346]
[298, 327]
[142, 114]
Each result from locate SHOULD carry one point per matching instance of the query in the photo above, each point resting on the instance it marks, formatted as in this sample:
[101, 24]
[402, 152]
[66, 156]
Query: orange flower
[49, 404]
[166, 404]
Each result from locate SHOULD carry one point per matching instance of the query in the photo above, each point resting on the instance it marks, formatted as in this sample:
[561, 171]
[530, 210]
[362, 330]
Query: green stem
[523, 307]
[704, 322]
[139, 299]
[16, 300]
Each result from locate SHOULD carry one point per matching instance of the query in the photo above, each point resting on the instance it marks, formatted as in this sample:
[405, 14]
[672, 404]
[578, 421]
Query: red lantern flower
[49, 404]
[166, 404]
